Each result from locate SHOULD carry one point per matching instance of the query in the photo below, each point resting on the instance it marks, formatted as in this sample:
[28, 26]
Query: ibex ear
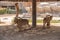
[16, 3]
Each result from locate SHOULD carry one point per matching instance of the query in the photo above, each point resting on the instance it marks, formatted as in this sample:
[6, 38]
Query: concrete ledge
[52, 24]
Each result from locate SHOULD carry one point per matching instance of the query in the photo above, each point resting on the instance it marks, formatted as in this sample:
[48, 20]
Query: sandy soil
[37, 33]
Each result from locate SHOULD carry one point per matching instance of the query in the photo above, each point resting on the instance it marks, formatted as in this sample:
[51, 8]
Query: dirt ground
[37, 33]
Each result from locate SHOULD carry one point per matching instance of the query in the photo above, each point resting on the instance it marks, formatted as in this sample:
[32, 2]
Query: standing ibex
[19, 21]
[46, 21]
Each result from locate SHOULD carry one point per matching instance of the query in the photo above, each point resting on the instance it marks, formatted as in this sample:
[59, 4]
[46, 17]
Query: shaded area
[30, 0]
[37, 33]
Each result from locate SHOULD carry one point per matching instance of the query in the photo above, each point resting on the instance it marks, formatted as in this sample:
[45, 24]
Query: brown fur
[46, 21]
[20, 22]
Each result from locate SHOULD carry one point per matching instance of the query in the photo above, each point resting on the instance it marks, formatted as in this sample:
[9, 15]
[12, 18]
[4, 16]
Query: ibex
[46, 21]
[19, 21]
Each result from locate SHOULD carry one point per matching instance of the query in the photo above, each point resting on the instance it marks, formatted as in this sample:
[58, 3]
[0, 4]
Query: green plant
[2, 11]
[41, 21]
